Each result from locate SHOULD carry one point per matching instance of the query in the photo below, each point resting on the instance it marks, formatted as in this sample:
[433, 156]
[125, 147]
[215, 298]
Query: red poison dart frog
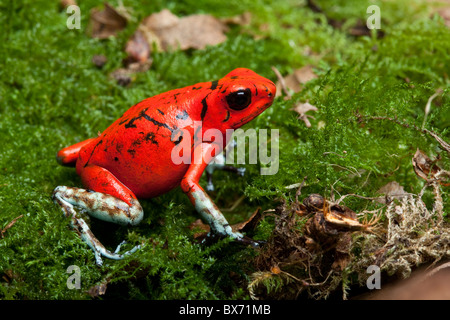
[131, 159]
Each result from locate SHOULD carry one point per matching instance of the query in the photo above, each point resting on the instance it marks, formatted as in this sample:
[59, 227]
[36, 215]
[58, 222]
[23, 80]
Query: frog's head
[237, 98]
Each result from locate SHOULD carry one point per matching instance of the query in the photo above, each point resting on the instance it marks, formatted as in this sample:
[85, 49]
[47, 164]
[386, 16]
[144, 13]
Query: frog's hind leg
[111, 201]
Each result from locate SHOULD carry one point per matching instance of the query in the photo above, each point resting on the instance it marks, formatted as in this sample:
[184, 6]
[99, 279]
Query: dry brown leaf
[428, 170]
[198, 224]
[138, 48]
[293, 82]
[98, 290]
[194, 31]
[392, 190]
[424, 167]
[249, 225]
[445, 14]
[107, 22]
[296, 80]
[124, 76]
[99, 60]
[242, 19]
[66, 3]
[301, 109]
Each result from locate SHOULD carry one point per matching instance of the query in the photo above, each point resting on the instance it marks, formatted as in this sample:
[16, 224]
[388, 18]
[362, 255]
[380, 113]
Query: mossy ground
[51, 96]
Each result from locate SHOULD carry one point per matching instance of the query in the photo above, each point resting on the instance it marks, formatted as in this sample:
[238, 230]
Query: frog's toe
[118, 256]
[240, 171]
[209, 186]
[250, 242]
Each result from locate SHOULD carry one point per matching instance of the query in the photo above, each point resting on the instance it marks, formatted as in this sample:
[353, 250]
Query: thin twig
[282, 82]
[331, 152]
[358, 196]
[299, 191]
[235, 204]
[443, 143]
[10, 225]
[436, 270]
[428, 106]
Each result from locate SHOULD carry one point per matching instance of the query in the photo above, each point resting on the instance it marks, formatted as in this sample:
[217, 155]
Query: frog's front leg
[203, 203]
[106, 199]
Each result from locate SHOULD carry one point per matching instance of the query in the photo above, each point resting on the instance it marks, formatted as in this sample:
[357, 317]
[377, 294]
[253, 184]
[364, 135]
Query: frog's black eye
[240, 99]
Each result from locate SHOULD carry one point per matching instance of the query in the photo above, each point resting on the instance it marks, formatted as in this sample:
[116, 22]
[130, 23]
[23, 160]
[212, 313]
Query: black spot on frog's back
[150, 137]
[214, 84]
[132, 152]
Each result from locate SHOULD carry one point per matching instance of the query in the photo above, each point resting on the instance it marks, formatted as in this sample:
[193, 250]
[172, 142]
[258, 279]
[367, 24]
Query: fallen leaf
[423, 166]
[445, 14]
[106, 23]
[293, 82]
[242, 19]
[124, 76]
[138, 48]
[194, 31]
[198, 224]
[249, 225]
[98, 290]
[427, 169]
[99, 60]
[392, 190]
[296, 80]
[66, 3]
[301, 109]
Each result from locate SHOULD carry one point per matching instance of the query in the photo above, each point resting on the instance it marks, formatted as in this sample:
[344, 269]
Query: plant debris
[166, 31]
[98, 289]
[311, 241]
[317, 244]
[445, 14]
[9, 225]
[246, 226]
[293, 82]
[99, 60]
[63, 4]
[124, 76]
[170, 32]
[391, 190]
[107, 22]
[138, 48]
[428, 170]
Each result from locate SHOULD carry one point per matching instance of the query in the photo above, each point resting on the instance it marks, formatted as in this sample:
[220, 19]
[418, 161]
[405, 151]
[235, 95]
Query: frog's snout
[272, 90]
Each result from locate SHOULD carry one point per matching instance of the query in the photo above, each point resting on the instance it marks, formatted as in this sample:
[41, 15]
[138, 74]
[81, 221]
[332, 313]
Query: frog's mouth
[253, 115]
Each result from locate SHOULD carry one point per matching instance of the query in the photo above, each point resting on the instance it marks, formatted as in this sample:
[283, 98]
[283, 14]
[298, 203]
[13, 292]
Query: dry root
[316, 245]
